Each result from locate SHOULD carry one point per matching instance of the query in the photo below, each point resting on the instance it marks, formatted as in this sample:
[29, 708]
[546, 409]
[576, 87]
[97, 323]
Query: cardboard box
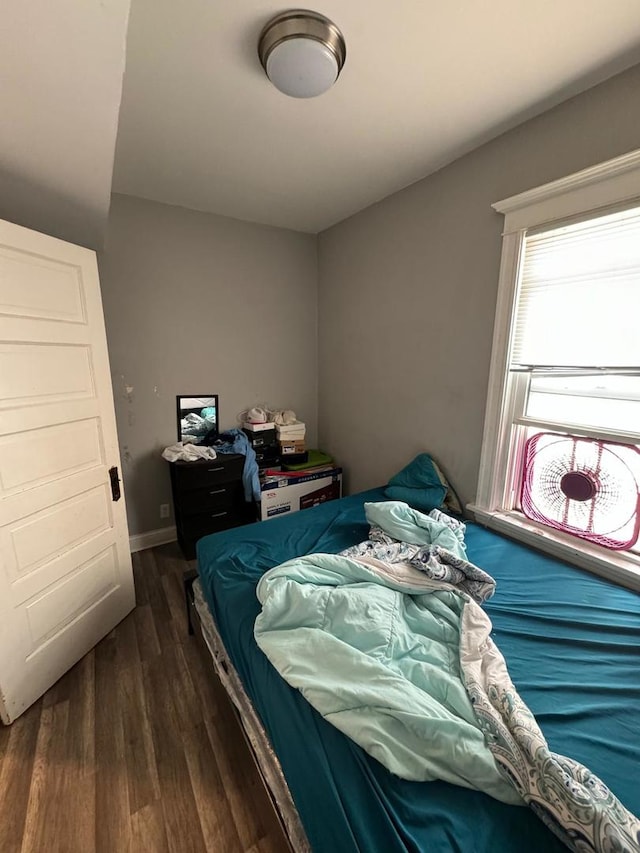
[292, 447]
[267, 455]
[284, 495]
[264, 438]
[292, 432]
[295, 458]
[249, 427]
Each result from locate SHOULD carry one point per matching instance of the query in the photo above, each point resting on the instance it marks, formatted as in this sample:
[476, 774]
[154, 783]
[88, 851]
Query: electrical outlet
[164, 511]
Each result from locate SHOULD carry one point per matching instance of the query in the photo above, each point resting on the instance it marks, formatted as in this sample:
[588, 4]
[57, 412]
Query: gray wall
[197, 303]
[407, 291]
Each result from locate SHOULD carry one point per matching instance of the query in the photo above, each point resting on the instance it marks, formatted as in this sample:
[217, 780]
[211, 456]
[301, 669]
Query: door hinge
[115, 483]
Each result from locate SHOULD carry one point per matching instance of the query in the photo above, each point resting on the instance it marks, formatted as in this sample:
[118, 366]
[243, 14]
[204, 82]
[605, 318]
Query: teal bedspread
[572, 643]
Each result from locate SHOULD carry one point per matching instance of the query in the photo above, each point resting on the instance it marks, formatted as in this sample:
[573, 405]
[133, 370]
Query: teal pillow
[420, 472]
[425, 499]
[418, 484]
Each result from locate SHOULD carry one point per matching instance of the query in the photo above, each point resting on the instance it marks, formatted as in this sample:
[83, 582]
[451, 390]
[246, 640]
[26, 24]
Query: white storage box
[291, 432]
[283, 495]
[258, 427]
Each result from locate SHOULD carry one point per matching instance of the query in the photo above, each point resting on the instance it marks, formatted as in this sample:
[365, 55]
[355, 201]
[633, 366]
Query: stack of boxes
[290, 480]
[293, 449]
[264, 440]
[277, 446]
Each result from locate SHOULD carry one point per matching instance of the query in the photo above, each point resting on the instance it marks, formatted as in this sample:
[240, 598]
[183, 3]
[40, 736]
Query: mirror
[198, 418]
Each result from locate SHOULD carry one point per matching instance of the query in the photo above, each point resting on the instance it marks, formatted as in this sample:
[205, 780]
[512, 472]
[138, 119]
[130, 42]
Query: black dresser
[208, 496]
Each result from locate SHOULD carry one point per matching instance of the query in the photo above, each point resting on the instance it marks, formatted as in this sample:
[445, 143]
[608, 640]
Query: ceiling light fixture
[302, 53]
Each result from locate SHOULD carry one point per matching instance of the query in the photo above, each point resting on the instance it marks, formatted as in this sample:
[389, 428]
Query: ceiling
[200, 125]
[61, 68]
[424, 82]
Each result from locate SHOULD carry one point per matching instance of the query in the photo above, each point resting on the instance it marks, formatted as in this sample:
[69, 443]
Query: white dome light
[302, 53]
[302, 68]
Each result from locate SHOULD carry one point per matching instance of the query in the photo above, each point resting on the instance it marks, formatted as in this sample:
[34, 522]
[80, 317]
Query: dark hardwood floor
[127, 752]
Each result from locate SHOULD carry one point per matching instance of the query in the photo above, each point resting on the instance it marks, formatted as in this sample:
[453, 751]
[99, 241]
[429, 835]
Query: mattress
[572, 644]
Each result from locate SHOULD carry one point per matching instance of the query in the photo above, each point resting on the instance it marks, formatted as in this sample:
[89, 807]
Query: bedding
[372, 644]
[387, 640]
[419, 484]
[423, 485]
[571, 641]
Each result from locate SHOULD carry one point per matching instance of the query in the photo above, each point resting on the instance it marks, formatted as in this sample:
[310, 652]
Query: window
[560, 463]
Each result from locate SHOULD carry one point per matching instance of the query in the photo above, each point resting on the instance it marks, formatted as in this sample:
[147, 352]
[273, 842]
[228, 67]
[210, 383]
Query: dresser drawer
[194, 527]
[200, 475]
[214, 496]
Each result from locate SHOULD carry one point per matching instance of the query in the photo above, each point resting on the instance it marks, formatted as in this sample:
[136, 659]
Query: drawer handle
[218, 514]
[213, 470]
[218, 492]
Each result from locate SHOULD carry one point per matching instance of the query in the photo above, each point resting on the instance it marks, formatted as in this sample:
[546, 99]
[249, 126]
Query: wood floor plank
[174, 593]
[38, 778]
[158, 602]
[144, 574]
[112, 814]
[127, 651]
[139, 579]
[169, 559]
[47, 826]
[186, 699]
[216, 818]
[182, 824]
[239, 779]
[147, 830]
[16, 776]
[202, 676]
[266, 845]
[140, 759]
[148, 642]
[80, 756]
[83, 709]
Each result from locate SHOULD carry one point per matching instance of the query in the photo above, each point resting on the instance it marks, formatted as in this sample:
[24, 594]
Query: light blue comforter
[389, 643]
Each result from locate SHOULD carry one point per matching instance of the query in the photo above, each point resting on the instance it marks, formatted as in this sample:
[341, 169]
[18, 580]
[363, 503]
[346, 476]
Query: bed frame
[268, 810]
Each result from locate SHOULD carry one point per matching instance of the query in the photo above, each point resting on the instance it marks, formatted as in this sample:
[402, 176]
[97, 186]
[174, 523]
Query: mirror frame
[179, 410]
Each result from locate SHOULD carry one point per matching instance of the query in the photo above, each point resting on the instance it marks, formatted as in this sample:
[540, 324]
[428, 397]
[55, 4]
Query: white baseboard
[140, 541]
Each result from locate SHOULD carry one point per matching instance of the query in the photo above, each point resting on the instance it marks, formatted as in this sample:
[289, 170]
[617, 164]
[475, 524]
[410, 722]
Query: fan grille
[585, 487]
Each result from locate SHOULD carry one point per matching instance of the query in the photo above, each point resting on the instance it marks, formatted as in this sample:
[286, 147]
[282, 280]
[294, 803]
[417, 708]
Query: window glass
[599, 402]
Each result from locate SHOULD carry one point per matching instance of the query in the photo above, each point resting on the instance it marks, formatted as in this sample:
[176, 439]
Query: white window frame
[611, 184]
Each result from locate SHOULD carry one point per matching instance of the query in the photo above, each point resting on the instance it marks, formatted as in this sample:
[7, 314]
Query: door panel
[56, 608]
[65, 566]
[33, 374]
[40, 537]
[36, 457]
[30, 584]
[55, 293]
[25, 502]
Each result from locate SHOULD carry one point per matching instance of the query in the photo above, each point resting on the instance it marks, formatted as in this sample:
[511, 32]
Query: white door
[65, 566]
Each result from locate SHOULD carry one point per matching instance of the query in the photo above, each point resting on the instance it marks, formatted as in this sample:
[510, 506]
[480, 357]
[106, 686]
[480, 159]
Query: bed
[572, 644]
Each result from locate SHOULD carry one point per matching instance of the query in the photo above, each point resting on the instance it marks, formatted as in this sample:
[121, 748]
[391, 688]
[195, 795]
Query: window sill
[621, 567]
